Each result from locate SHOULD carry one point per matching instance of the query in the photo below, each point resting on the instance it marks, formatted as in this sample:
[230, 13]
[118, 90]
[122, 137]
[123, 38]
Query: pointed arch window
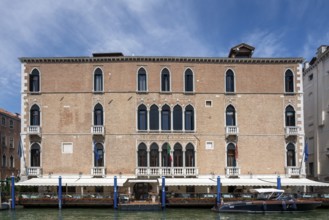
[178, 119]
[190, 156]
[189, 118]
[4, 160]
[291, 155]
[142, 155]
[154, 155]
[290, 116]
[231, 157]
[154, 117]
[178, 155]
[165, 155]
[11, 162]
[188, 80]
[98, 80]
[165, 118]
[165, 80]
[35, 81]
[35, 155]
[35, 116]
[229, 78]
[142, 117]
[98, 115]
[289, 81]
[99, 155]
[142, 80]
[230, 116]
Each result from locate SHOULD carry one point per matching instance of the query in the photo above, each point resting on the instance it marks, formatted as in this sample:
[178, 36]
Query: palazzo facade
[142, 117]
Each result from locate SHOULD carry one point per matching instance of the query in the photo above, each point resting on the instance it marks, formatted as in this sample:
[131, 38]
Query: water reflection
[92, 214]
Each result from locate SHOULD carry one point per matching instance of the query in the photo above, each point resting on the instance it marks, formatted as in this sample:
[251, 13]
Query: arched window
[142, 82]
[99, 155]
[4, 160]
[154, 117]
[290, 116]
[98, 115]
[178, 118]
[165, 155]
[229, 81]
[165, 118]
[154, 155]
[230, 116]
[98, 80]
[142, 155]
[289, 81]
[35, 155]
[188, 80]
[142, 117]
[35, 116]
[35, 81]
[231, 159]
[291, 155]
[189, 118]
[165, 80]
[178, 155]
[190, 156]
[12, 162]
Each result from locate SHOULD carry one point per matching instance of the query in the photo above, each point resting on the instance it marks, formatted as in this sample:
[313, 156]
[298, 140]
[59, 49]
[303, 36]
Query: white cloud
[267, 43]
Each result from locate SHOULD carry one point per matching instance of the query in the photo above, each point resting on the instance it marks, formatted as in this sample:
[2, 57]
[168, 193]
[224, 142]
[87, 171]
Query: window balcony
[292, 131]
[98, 171]
[97, 130]
[293, 171]
[167, 171]
[34, 171]
[34, 130]
[232, 171]
[232, 131]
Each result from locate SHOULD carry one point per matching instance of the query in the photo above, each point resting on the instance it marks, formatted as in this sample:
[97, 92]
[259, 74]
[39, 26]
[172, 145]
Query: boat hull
[267, 206]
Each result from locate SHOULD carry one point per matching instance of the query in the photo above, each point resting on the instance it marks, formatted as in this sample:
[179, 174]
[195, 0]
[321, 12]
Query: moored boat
[268, 200]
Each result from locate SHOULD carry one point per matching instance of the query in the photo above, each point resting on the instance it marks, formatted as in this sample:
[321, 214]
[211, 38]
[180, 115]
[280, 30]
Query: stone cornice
[214, 60]
[320, 59]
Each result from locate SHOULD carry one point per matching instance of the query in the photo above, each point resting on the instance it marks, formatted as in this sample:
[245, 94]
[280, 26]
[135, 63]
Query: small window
[230, 81]
[142, 81]
[3, 121]
[35, 81]
[3, 141]
[165, 80]
[12, 164]
[98, 80]
[209, 145]
[67, 148]
[208, 103]
[11, 124]
[142, 118]
[188, 80]
[289, 81]
[4, 162]
[11, 142]
[310, 77]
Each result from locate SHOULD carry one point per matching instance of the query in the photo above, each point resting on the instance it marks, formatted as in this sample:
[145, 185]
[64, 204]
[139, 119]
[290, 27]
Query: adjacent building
[10, 128]
[139, 118]
[316, 104]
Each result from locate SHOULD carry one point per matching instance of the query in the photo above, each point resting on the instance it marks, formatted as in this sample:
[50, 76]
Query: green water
[169, 213]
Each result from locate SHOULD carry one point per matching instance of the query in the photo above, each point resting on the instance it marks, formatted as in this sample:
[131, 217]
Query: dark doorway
[141, 190]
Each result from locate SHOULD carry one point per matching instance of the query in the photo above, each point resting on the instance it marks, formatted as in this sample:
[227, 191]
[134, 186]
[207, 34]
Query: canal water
[169, 213]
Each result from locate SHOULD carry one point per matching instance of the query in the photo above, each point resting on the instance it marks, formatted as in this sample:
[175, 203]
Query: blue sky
[48, 28]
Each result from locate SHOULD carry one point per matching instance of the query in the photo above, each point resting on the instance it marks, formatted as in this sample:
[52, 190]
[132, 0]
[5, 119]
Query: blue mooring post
[218, 191]
[12, 192]
[115, 199]
[60, 192]
[163, 202]
[278, 182]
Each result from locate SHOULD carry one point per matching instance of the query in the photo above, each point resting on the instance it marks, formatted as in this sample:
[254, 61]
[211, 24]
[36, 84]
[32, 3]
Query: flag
[236, 151]
[96, 153]
[169, 155]
[306, 151]
[19, 149]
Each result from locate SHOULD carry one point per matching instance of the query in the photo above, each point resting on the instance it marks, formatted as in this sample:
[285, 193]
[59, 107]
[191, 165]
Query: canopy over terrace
[266, 182]
[69, 181]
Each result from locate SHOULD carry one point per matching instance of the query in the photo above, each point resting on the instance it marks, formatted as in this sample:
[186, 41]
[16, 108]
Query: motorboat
[267, 200]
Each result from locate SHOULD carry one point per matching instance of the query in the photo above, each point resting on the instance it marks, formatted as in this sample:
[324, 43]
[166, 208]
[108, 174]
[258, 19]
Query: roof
[241, 50]
[14, 115]
[210, 60]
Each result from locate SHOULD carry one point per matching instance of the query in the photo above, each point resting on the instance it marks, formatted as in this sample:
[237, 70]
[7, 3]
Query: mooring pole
[13, 200]
[115, 199]
[218, 191]
[163, 202]
[60, 192]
